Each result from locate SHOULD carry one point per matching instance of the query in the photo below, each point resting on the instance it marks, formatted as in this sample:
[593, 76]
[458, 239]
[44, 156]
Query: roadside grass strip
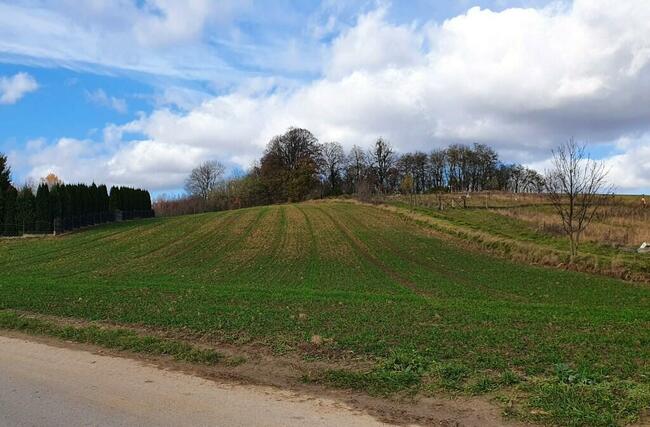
[114, 338]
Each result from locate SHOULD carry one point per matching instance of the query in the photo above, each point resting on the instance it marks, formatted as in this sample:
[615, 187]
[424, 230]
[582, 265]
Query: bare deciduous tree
[438, 166]
[382, 157]
[576, 187]
[407, 188]
[357, 168]
[333, 159]
[204, 178]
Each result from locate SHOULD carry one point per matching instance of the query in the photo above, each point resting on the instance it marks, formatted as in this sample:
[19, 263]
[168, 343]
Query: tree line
[295, 166]
[58, 207]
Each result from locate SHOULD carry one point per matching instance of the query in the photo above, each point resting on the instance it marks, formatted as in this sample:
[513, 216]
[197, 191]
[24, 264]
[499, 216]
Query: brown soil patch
[286, 372]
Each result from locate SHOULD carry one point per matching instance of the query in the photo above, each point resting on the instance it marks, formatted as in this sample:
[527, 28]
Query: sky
[138, 92]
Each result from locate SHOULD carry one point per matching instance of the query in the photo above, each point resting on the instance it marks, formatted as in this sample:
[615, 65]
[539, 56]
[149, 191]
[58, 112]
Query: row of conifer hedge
[65, 207]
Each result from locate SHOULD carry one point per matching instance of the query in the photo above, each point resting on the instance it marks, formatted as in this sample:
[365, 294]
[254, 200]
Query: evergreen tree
[102, 195]
[56, 207]
[77, 205]
[5, 182]
[5, 174]
[66, 206]
[94, 197]
[94, 203]
[86, 204]
[10, 197]
[112, 198]
[43, 209]
[26, 210]
[124, 198]
[147, 200]
[2, 210]
[112, 204]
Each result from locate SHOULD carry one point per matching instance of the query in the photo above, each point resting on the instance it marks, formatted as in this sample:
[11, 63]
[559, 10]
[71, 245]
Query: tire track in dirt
[213, 235]
[285, 249]
[231, 242]
[281, 241]
[55, 256]
[363, 250]
[109, 266]
[59, 245]
[440, 269]
[261, 245]
[181, 239]
[187, 241]
[324, 246]
[310, 229]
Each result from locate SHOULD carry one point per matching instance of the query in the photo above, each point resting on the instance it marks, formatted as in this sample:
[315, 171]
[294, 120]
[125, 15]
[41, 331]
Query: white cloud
[13, 88]
[627, 163]
[521, 80]
[153, 165]
[373, 45]
[141, 163]
[99, 97]
[160, 37]
[185, 40]
[71, 159]
[630, 169]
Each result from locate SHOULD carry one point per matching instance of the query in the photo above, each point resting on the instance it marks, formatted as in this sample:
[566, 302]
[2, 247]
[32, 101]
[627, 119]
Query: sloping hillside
[559, 346]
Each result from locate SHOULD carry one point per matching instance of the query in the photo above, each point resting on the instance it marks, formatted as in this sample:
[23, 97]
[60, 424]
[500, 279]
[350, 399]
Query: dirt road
[42, 385]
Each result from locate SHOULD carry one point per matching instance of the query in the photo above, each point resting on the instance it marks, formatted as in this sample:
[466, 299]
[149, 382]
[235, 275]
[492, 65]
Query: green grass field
[552, 346]
[524, 241]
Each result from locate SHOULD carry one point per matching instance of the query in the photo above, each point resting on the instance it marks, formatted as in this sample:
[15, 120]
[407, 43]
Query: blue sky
[137, 92]
[63, 104]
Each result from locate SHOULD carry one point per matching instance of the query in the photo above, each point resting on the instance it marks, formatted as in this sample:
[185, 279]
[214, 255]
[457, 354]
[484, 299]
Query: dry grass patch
[615, 225]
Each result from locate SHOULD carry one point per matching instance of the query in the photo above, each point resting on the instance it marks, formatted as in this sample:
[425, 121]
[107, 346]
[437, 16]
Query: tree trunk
[573, 247]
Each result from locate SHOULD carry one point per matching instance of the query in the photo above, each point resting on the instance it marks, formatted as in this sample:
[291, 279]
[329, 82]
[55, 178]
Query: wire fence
[69, 223]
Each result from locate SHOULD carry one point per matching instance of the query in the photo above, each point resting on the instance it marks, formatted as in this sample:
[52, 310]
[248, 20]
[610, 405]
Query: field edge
[224, 364]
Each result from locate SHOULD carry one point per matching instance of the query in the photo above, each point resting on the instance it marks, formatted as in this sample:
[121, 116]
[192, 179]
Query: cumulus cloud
[522, 80]
[71, 159]
[99, 97]
[630, 168]
[143, 163]
[372, 45]
[13, 88]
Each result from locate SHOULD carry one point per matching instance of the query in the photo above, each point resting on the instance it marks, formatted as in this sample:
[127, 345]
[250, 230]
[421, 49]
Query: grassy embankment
[552, 346]
[525, 228]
